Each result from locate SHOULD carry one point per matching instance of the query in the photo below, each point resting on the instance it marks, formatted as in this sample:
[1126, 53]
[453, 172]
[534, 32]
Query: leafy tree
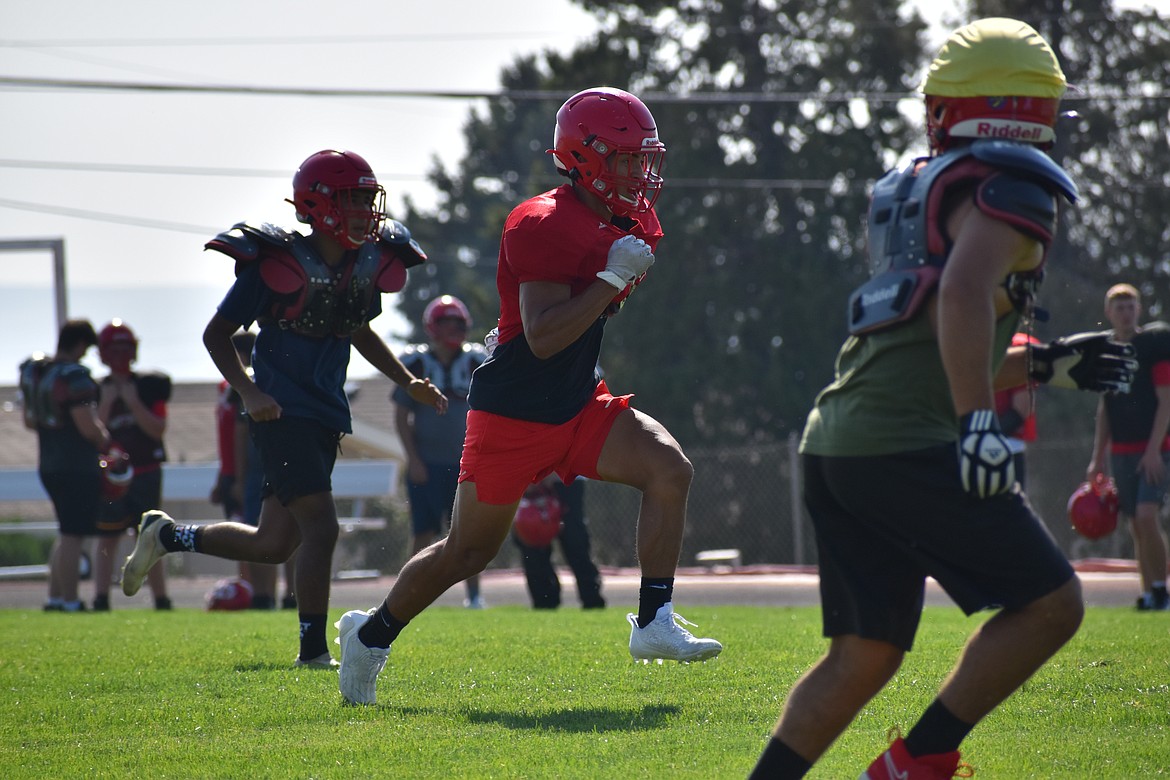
[737, 327]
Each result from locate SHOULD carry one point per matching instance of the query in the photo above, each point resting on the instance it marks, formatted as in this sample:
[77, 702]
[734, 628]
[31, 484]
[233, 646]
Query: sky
[136, 182]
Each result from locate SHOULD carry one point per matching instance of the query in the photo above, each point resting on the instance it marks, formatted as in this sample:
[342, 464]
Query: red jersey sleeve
[1161, 373]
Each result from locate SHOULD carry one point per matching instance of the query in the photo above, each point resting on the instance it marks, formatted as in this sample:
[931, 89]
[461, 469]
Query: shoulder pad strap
[1028, 160]
[395, 239]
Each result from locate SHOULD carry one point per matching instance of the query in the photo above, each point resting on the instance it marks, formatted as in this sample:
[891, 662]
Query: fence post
[794, 494]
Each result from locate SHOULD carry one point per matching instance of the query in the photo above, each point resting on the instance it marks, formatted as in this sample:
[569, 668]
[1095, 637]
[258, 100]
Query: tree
[737, 327]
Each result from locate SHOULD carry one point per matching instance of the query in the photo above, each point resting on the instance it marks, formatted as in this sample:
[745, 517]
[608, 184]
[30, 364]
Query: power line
[175, 170]
[527, 95]
[290, 40]
[101, 216]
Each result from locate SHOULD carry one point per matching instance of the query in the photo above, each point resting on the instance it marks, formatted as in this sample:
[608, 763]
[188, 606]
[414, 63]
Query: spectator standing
[60, 404]
[544, 586]
[133, 408]
[1131, 442]
[432, 441]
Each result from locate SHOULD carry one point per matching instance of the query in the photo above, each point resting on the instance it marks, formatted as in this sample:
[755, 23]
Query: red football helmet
[117, 473]
[446, 307]
[538, 519]
[328, 194]
[118, 346]
[1093, 507]
[229, 595]
[606, 140]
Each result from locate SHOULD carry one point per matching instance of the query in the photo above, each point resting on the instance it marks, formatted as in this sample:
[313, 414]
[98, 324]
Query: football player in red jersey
[568, 259]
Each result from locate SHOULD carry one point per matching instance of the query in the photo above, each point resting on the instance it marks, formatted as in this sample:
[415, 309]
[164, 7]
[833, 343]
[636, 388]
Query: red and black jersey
[1131, 415]
[146, 454]
[553, 237]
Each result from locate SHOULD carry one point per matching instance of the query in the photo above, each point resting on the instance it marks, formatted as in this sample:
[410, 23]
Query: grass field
[513, 693]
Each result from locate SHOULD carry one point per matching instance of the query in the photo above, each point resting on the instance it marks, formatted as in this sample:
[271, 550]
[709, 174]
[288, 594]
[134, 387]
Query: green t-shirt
[890, 393]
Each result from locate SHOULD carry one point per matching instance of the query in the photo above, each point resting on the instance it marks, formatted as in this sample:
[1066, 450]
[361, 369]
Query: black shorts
[886, 523]
[77, 499]
[297, 455]
[145, 493]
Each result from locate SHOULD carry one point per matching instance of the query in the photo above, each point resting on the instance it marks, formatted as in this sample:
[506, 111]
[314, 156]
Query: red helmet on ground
[538, 519]
[1093, 507]
[606, 140]
[442, 308]
[332, 189]
[230, 595]
[117, 473]
[118, 346]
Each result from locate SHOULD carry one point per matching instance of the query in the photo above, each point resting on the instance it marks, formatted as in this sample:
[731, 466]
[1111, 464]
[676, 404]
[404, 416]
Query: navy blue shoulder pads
[1028, 160]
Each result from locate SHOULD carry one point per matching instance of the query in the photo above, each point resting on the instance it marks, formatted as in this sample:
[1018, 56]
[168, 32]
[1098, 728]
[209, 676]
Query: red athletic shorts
[503, 455]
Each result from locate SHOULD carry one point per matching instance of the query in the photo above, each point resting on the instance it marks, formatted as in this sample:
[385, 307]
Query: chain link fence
[748, 498]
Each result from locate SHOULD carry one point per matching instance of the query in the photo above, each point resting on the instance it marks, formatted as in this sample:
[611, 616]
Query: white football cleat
[148, 550]
[358, 675]
[665, 638]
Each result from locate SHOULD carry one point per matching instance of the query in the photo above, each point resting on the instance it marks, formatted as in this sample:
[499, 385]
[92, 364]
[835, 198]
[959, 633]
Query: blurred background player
[313, 297]
[60, 404]
[432, 441]
[1130, 440]
[911, 413]
[544, 586]
[133, 408]
[568, 260]
[1015, 407]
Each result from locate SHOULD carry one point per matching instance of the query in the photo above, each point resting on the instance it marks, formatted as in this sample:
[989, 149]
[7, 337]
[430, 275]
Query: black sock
[181, 538]
[381, 629]
[937, 731]
[654, 592]
[313, 636]
[263, 602]
[779, 762]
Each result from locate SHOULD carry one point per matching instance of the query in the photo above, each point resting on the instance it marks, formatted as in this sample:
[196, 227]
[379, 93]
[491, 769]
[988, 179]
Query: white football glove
[491, 341]
[985, 460]
[629, 258]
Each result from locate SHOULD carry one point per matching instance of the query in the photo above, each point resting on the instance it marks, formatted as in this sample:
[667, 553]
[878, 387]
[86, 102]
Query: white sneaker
[147, 550]
[358, 674]
[323, 661]
[665, 638]
[475, 603]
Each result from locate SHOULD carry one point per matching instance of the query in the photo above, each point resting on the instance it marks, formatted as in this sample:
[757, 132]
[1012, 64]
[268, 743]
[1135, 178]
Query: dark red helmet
[1093, 507]
[332, 191]
[117, 473]
[606, 140]
[118, 346]
[229, 595]
[442, 308]
[538, 519]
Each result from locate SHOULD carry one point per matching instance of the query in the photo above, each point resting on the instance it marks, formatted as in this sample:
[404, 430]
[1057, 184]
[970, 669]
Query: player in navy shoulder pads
[957, 244]
[313, 297]
[432, 442]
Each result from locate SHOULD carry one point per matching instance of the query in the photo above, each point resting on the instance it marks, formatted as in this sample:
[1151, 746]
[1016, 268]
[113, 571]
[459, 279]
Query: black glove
[985, 460]
[1085, 361]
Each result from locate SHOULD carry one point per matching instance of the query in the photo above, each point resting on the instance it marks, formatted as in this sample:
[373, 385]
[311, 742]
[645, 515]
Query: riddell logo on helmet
[877, 296]
[651, 142]
[1006, 129]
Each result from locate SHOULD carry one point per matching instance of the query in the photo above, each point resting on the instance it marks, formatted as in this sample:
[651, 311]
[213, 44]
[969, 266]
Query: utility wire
[525, 95]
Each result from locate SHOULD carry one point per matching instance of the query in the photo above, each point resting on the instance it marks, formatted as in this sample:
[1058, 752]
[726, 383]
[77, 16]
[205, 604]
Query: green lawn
[513, 693]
